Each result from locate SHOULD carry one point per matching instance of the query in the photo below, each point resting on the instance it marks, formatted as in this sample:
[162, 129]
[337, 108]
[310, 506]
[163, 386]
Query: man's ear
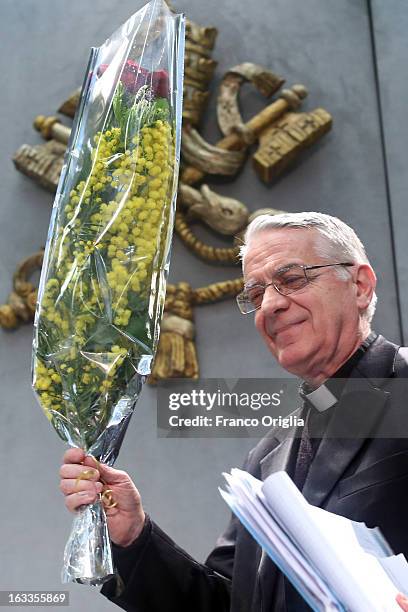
[366, 282]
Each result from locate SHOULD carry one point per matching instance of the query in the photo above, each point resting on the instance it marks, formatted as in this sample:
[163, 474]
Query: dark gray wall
[357, 173]
[389, 23]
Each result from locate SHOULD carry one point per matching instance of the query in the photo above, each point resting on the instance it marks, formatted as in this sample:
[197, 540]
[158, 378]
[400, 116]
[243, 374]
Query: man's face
[314, 327]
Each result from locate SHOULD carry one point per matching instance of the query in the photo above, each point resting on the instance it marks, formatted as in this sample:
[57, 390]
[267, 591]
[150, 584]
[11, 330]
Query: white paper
[336, 564]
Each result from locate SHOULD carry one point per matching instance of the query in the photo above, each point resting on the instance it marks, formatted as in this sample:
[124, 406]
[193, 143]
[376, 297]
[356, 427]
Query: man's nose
[273, 301]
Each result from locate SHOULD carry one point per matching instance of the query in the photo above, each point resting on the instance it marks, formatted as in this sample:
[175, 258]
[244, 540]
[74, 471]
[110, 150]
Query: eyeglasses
[287, 280]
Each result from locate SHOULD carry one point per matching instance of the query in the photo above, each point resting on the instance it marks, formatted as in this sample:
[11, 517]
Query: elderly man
[312, 290]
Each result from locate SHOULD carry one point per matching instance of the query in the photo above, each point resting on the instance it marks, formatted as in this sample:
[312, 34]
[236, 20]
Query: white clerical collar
[321, 398]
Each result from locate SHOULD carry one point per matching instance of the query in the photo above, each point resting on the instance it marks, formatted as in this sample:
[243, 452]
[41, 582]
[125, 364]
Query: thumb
[112, 476]
[402, 600]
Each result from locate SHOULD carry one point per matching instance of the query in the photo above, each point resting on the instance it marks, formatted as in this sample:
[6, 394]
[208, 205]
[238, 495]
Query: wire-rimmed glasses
[286, 280]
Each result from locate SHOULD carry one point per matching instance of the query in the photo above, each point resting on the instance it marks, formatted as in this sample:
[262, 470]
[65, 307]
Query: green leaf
[137, 329]
[137, 304]
[104, 335]
[117, 103]
[161, 110]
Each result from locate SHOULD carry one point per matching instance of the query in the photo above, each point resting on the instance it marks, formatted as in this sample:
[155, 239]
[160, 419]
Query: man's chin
[290, 357]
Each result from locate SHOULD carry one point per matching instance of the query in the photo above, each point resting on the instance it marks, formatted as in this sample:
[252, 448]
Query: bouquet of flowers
[102, 285]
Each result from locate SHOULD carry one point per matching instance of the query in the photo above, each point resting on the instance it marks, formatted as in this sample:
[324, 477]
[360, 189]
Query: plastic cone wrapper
[103, 281]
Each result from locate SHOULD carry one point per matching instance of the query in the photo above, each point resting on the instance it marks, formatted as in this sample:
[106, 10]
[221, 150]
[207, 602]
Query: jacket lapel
[284, 450]
[279, 458]
[358, 412]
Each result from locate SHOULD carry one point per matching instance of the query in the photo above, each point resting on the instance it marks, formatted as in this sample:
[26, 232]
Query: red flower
[134, 77]
[160, 83]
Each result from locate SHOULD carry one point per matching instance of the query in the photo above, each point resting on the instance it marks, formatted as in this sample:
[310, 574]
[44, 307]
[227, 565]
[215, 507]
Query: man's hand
[402, 601]
[126, 520]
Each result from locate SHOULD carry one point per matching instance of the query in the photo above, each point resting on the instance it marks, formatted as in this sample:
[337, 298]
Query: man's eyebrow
[287, 266]
[251, 282]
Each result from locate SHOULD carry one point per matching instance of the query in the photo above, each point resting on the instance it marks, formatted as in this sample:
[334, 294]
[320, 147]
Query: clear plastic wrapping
[102, 286]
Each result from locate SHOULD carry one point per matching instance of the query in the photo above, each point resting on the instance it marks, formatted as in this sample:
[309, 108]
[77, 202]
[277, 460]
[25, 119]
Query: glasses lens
[289, 280]
[250, 299]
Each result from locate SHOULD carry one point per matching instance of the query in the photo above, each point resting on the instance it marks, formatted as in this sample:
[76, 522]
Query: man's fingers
[402, 600]
[74, 455]
[70, 470]
[112, 476]
[91, 461]
[76, 461]
[71, 485]
[75, 500]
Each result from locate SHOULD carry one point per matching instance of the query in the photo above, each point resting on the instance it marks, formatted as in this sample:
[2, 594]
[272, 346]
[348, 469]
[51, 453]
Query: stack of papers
[335, 563]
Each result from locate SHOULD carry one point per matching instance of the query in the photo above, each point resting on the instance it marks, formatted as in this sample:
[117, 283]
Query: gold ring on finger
[85, 475]
[108, 500]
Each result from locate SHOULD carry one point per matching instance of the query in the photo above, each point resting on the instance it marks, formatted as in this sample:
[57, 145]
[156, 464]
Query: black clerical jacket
[364, 477]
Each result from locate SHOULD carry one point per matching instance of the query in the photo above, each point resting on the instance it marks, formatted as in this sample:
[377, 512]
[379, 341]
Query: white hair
[339, 240]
